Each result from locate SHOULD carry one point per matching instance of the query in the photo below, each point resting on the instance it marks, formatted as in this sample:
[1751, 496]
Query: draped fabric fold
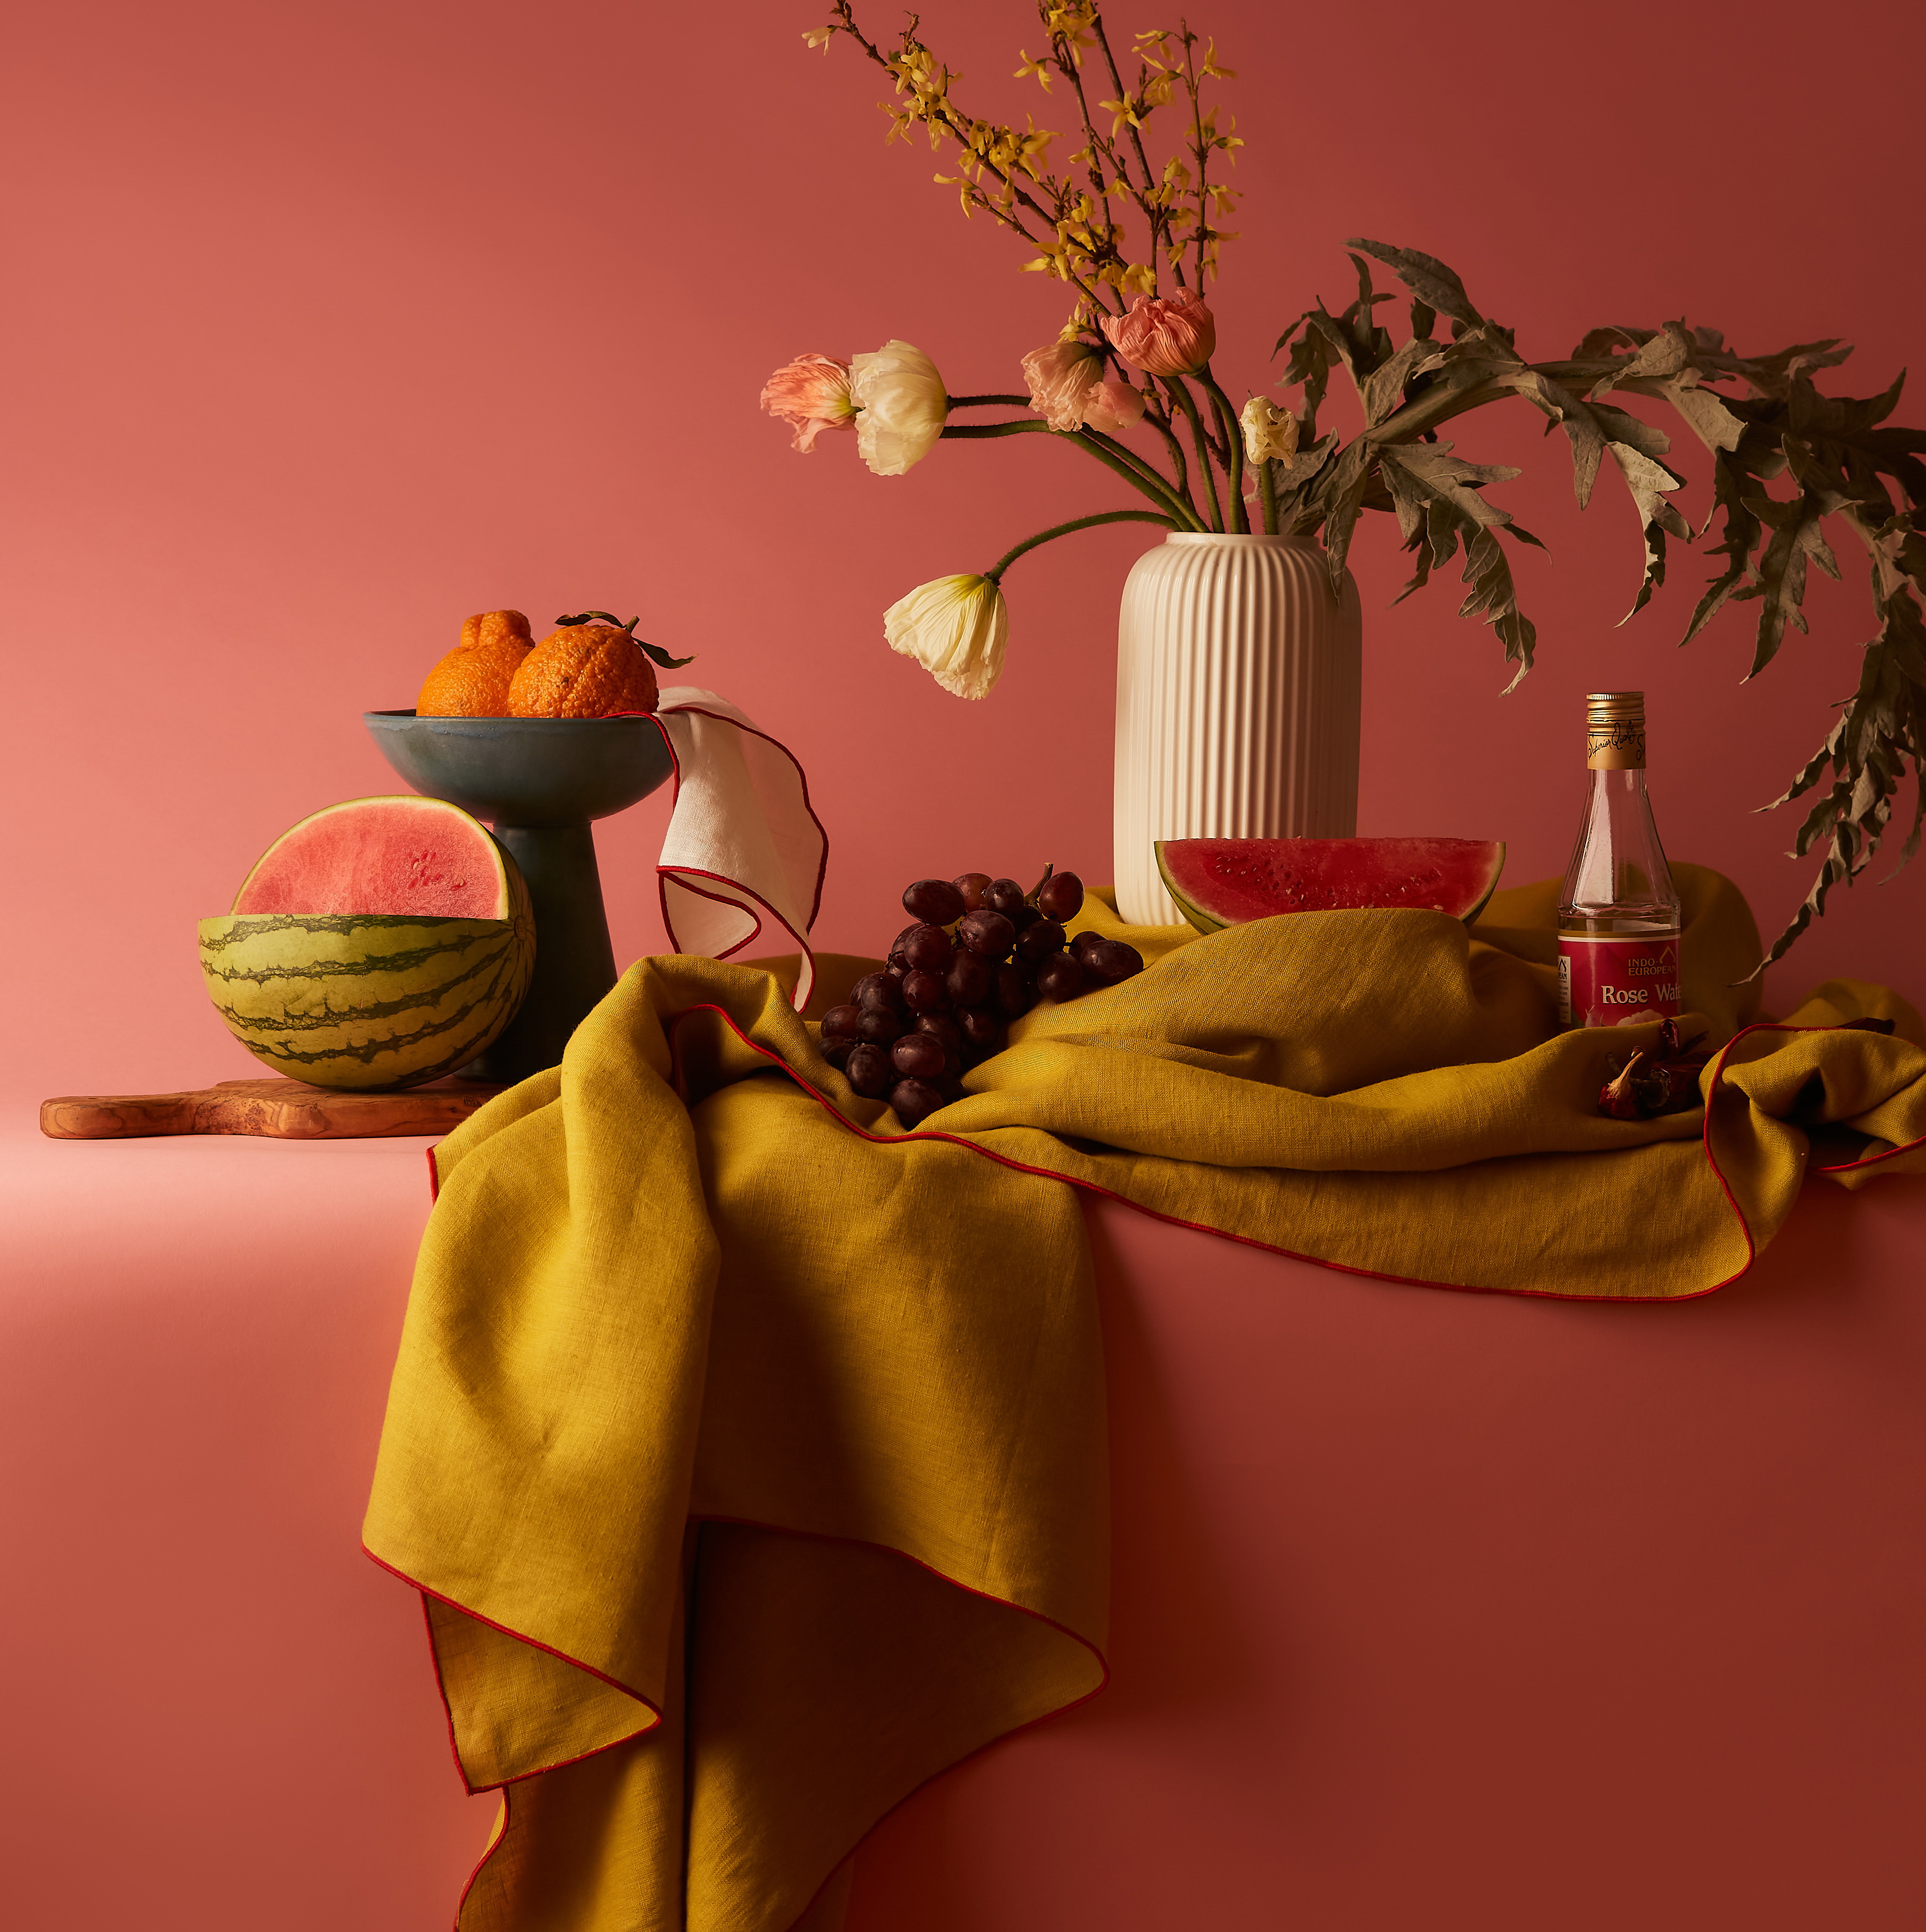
[749, 1451]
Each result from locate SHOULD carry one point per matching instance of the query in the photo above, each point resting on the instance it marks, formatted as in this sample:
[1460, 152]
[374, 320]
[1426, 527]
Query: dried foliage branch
[1834, 456]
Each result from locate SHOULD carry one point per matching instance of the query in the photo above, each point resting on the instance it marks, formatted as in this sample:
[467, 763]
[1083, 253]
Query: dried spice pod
[1643, 1085]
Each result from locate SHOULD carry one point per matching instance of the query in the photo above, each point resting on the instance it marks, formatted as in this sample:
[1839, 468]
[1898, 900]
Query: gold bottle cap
[1614, 731]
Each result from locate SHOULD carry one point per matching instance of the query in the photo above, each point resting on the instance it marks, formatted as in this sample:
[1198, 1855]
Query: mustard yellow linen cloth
[749, 1452]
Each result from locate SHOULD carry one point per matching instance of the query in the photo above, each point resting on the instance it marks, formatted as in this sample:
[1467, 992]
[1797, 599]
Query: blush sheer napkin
[742, 862]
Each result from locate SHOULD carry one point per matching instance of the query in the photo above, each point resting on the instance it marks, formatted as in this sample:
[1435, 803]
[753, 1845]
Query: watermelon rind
[1347, 867]
[434, 812]
[367, 1002]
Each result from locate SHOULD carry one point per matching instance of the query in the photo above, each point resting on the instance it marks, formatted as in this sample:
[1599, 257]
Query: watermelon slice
[1220, 882]
[421, 856]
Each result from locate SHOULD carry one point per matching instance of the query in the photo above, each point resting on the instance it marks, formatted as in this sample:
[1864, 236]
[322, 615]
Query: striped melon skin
[365, 1001]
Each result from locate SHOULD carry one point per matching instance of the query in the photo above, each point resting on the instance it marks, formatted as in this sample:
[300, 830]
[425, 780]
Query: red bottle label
[1604, 983]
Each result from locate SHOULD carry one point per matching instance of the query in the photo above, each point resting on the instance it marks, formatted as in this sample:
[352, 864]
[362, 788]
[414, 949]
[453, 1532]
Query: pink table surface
[1432, 1608]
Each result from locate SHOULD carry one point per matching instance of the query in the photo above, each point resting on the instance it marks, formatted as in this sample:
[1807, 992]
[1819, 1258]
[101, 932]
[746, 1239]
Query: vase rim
[1237, 537]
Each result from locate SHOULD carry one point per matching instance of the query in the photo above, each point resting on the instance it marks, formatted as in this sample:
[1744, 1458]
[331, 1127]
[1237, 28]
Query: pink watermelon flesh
[1234, 880]
[382, 855]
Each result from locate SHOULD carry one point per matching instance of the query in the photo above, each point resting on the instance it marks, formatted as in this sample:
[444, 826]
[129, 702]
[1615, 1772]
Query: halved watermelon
[399, 854]
[1220, 882]
[378, 944]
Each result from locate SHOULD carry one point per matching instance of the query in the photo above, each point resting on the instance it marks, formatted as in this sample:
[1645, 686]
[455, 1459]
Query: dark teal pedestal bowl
[540, 782]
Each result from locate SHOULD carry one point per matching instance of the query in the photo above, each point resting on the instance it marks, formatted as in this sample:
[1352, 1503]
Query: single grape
[979, 1025]
[988, 933]
[919, 1056]
[1060, 897]
[951, 1087]
[1037, 942]
[868, 1070]
[1060, 977]
[969, 978]
[1015, 996]
[943, 1028]
[925, 993]
[936, 901]
[1023, 917]
[878, 989]
[974, 887]
[1110, 960]
[896, 944]
[837, 1048]
[927, 949]
[1004, 896]
[914, 1100]
[878, 1025]
[841, 1021]
[1083, 942]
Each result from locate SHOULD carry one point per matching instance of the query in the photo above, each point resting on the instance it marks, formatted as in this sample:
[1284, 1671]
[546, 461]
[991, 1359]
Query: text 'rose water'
[1618, 915]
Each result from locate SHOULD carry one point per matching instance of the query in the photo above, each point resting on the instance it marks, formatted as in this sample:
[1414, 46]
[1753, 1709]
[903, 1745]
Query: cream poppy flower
[1268, 431]
[900, 405]
[955, 627]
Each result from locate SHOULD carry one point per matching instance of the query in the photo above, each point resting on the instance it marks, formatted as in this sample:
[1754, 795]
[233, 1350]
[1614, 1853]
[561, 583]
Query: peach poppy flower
[1164, 335]
[812, 394]
[1061, 378]
[1112, 407]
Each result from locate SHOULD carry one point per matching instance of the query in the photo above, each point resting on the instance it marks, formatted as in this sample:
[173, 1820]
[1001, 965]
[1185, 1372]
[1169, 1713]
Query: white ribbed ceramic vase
[1239, 688]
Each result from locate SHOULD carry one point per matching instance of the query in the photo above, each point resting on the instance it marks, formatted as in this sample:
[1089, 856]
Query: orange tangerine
[473, 679]
[583, 670]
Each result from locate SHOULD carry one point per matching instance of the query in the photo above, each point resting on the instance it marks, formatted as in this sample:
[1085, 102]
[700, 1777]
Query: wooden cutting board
[283, 1109]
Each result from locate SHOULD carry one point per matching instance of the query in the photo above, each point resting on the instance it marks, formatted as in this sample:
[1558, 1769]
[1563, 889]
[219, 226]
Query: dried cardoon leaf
[1383, 390]
[1488, 570]
[1312, 355]
[1298, 497]
[1428, 469]
[1598, 342]
[1881, 727]
[1370, 344]
[1662, 354]
[1342, 501]
[1427, 278]
[1781, 579]
[1704, 410]
[1649, 482]
[1741, 532]
[1589, 427]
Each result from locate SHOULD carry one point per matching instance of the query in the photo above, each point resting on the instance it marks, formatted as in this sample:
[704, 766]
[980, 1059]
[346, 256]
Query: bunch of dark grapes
[981, 953]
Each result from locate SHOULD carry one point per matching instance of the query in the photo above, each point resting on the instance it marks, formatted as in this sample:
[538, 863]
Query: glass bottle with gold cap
[1618, 914]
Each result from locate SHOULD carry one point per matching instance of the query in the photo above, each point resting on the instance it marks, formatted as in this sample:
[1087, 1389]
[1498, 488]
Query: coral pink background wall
[328, 326]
